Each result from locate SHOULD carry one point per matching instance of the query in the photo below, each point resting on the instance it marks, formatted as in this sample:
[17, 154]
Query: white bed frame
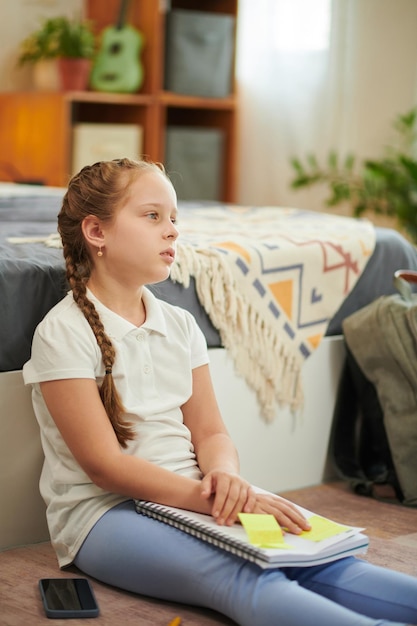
[287, 453]
[290, 452]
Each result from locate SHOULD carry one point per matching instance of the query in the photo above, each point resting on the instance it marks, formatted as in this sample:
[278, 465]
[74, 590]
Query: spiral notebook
[296, 550]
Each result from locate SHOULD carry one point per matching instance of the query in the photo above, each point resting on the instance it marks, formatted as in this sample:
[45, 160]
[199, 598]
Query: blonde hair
[97, 190]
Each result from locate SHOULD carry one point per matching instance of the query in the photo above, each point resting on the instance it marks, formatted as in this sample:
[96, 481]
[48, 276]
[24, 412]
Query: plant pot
[74, 74]
[45, 75]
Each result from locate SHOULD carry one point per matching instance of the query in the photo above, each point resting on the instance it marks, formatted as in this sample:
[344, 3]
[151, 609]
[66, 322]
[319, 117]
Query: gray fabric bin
[199, 53]
[193, 159]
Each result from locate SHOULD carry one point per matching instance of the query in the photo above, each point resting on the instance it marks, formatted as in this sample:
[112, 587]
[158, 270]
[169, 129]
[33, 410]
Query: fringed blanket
[270, 280]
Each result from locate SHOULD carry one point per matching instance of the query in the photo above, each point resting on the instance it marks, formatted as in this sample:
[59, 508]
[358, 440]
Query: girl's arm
[218, 460]
[78, 413]
[216, 454]
[212, 443]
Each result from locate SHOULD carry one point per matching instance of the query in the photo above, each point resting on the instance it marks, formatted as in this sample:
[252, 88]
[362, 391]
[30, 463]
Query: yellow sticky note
[322, 528]
[262, 530]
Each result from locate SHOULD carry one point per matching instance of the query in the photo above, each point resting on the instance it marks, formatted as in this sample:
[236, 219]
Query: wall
[18, 18]
[343, 96]
[384, 81]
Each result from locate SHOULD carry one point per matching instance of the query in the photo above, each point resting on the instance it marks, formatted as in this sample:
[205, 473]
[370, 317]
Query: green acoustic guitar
[117, 67]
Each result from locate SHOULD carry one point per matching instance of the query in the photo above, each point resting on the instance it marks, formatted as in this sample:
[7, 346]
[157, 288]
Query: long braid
[96, 190]
[108, 391]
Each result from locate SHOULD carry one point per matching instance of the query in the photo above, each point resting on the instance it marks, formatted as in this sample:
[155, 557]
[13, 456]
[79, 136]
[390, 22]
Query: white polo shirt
[153, 374]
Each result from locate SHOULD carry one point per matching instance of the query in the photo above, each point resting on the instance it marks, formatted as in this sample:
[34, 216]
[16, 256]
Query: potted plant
[386, 186]
[70, 44]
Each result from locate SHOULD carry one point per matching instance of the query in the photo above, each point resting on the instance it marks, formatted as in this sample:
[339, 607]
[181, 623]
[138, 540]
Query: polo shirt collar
[117, 327]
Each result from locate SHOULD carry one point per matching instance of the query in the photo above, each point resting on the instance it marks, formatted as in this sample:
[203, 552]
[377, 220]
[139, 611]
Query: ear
[93, 231]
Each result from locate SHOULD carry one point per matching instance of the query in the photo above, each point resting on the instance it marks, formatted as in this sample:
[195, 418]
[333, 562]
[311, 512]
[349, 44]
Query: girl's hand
[231, 495]
[285, 512]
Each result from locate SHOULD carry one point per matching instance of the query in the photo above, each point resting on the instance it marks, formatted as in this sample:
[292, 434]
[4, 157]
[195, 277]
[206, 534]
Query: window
[302, 25]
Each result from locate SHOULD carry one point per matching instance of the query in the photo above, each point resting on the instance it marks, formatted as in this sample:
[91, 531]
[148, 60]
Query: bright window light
[302, 25]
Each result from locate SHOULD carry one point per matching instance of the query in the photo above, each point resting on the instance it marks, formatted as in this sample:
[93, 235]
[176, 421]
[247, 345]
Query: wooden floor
[392, 530]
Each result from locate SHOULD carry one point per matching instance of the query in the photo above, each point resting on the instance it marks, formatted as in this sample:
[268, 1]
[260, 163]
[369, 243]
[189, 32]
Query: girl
[123, 396]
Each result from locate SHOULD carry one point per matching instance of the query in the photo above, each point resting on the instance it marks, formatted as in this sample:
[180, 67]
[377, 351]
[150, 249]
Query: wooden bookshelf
[36, 127]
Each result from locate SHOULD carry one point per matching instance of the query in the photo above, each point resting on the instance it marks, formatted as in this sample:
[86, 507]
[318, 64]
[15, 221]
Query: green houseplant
[386, 186]
[70, 43]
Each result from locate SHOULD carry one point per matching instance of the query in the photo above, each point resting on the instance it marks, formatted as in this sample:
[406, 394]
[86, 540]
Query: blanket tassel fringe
[259, 355]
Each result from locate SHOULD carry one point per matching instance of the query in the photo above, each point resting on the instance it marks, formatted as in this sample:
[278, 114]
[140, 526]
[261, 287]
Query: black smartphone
[68, 597]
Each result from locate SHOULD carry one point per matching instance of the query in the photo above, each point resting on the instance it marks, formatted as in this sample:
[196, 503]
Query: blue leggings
[147, 557]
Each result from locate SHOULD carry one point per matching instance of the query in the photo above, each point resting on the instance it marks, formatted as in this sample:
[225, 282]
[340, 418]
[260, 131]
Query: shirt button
[147, 369]
[140, 337]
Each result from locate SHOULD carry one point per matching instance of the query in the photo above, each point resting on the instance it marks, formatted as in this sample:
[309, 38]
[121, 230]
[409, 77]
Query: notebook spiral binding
[200, 531]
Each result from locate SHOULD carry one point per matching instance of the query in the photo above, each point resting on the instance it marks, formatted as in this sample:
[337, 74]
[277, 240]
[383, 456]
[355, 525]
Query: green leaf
[333, 160]
[296, 163]
[312, 161]
[349, 163]
[386, 186]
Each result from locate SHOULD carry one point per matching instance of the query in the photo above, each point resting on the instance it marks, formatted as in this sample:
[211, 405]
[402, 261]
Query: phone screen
[68, 597]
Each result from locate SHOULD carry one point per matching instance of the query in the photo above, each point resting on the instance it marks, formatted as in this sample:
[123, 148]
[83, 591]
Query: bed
[282, 444]
[32, 274]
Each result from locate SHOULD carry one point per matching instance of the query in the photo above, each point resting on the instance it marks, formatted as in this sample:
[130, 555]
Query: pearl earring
[99, 253]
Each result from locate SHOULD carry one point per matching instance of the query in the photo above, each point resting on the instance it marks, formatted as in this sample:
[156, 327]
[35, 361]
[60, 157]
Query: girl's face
[140, 243]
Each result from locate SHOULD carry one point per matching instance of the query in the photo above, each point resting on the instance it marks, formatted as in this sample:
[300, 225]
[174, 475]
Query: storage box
[199, 53]
[103, 142]
[193, 159]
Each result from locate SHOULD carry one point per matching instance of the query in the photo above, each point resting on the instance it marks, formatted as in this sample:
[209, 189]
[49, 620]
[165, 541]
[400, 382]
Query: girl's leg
[144, 556]
[363, 587]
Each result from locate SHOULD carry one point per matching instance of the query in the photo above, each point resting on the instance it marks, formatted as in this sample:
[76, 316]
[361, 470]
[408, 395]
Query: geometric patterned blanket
[270, 280]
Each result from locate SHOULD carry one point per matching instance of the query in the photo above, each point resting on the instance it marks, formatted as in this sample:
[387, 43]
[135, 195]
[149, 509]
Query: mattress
[32, 276]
